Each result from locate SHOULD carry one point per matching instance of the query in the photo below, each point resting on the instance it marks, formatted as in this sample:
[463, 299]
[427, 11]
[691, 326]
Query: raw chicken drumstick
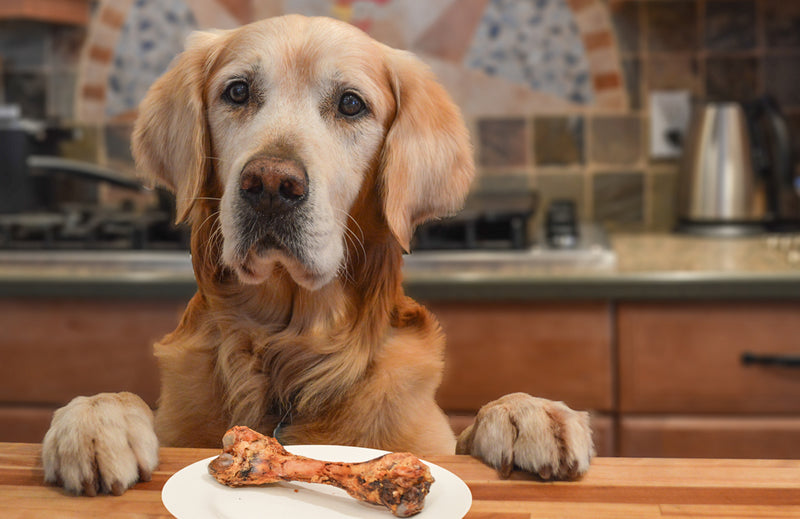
[399, 481]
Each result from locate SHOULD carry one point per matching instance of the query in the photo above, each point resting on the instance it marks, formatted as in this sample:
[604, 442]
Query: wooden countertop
[614, 487]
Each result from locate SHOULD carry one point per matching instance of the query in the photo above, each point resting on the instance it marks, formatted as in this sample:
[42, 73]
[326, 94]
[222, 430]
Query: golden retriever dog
[303, 153]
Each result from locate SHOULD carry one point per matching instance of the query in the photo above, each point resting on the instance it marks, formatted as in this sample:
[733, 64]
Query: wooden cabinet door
[710, 437]
[687, 357]
[558, 351]
[54, 350]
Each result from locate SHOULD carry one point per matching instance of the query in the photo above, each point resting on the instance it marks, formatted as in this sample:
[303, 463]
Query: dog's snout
[273, 185]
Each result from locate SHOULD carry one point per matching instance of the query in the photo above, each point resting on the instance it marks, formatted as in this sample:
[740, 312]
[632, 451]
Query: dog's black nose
[273, 184]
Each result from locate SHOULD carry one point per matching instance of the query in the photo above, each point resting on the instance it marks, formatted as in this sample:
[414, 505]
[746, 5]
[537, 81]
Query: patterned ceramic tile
[152, 35]
[782, 77]
[615, 139]
[535, 43]
[625, 17]
[618, 198]
[503, 142]
[632, 72]
[730, 25]
[558, 140]
[662, 194]
[731, 79]
[673, 72]
[782, 23]
[671, 25]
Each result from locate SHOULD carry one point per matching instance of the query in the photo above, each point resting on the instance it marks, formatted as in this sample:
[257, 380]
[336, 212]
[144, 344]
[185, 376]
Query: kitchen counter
[642, 266]
[613, 487]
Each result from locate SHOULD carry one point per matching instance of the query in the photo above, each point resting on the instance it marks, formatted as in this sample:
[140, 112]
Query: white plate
[191, 493]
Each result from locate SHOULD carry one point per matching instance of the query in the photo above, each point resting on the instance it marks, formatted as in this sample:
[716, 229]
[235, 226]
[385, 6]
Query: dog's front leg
[100, 444]
[537, 435]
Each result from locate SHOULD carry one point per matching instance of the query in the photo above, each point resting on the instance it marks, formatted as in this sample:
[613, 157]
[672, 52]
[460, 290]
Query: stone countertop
[646, 266]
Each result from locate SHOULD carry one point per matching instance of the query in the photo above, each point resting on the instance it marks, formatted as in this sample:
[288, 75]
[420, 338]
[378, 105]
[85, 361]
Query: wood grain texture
[710, 437]
[686, 357]
[551, 350]
[614, 487]
[54, 350]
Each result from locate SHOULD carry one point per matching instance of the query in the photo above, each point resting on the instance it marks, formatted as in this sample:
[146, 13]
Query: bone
[398, 481]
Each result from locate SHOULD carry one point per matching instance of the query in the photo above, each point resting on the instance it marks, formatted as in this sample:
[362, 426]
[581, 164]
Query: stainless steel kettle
[737, 172]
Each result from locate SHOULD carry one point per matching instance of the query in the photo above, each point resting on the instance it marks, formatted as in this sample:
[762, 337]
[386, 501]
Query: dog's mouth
[269, 255]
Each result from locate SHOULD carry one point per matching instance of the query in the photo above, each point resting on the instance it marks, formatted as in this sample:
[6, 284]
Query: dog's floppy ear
[170, 142]
[426, 165]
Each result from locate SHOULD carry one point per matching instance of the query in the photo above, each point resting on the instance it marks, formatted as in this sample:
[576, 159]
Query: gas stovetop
[589, 248]
[89, 227]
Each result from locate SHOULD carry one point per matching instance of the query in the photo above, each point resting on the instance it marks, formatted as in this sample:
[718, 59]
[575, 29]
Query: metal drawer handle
[770, 359]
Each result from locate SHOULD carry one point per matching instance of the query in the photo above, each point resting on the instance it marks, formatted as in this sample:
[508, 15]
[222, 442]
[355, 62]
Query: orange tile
[579, 5]
[112, 17]
[100, 54]
[97, 92]
[598, 40]
[608, 81]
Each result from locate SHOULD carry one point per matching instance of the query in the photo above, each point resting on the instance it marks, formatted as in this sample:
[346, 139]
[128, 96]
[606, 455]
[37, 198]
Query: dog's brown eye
[351, 105]
[237, 92]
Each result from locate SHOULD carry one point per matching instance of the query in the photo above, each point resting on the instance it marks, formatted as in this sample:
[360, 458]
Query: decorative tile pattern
[674, 72]
[731, 79]
[632, 72]
[502, 142]
[618, 198]
[672, 25]
[558, 140]
[615, 140]
[662, 193]
[536, 43]
[782, 23]
[730, 25]
[152, 35]
[625, 17]
[782, 78]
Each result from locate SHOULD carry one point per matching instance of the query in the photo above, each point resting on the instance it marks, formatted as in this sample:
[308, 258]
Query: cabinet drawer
[24, 424]
[55, 350]
[687, 358]
[556, 351]
[712, 437]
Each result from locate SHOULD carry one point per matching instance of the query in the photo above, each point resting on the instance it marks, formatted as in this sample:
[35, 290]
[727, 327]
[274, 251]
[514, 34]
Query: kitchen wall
[556, 92]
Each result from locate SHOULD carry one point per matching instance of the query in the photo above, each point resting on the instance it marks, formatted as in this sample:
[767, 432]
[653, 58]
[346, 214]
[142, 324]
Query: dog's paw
[100, 444]
[540, 436]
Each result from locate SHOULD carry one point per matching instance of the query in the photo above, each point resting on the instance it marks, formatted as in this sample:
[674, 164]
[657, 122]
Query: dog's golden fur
[313, 331]
[354, 361]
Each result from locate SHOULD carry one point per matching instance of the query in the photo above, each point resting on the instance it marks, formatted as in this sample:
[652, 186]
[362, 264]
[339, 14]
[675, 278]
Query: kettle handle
[772, 152]
[781, 144]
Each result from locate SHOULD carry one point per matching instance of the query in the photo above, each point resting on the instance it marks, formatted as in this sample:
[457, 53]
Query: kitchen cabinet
[553, 350]
[686, 390]
[660, 378]
[54, 350]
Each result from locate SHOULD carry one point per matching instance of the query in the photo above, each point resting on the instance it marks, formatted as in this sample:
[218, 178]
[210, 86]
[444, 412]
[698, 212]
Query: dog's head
[286, 121]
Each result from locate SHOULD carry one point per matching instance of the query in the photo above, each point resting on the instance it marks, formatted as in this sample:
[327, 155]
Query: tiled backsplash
[556, 92]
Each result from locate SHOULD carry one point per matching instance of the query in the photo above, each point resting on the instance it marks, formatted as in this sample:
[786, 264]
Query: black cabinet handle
[770, 359]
